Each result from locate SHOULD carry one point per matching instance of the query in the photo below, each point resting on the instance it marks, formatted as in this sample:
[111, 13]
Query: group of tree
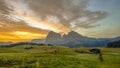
[26, 43]
[115, 44]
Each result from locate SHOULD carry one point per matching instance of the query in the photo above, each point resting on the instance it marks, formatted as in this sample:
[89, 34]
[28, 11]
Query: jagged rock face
[72, 36]
[53, 38]
[56, 38]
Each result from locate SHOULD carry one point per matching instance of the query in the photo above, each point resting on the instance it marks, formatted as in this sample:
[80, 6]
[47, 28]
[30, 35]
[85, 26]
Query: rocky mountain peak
[53, 34]
[73, 33]
[53, 38]
[72, 36]
[56, 38]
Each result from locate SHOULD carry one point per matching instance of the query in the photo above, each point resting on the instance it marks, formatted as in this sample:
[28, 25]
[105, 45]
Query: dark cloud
[67, 11]
[92, 19]
[4, 10]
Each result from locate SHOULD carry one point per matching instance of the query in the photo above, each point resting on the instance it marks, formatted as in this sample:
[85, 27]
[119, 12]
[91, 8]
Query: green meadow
[57, 57]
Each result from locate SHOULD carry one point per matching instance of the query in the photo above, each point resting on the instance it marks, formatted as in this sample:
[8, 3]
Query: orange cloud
[27, 35]
[19, 36]
[19, 31]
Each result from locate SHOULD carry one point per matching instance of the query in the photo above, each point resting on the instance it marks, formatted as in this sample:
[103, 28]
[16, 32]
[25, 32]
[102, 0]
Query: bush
[28, 48]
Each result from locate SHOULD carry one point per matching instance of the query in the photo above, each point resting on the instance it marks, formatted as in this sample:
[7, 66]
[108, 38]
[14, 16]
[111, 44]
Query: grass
[57, 57]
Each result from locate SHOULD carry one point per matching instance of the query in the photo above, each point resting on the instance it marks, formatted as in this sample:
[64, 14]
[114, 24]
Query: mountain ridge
[74, 39]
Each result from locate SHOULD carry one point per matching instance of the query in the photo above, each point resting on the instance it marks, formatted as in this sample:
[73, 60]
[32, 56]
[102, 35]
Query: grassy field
[57, 57]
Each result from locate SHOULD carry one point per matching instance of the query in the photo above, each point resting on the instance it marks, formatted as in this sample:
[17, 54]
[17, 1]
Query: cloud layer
[70, 13]
[42, 16]
[63, 12]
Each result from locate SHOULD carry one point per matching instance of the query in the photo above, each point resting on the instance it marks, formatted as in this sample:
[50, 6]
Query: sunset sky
[23, 20]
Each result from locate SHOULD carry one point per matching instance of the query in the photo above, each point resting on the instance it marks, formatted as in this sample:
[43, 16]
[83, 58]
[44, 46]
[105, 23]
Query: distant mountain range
[5, 43]
[72, 39]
